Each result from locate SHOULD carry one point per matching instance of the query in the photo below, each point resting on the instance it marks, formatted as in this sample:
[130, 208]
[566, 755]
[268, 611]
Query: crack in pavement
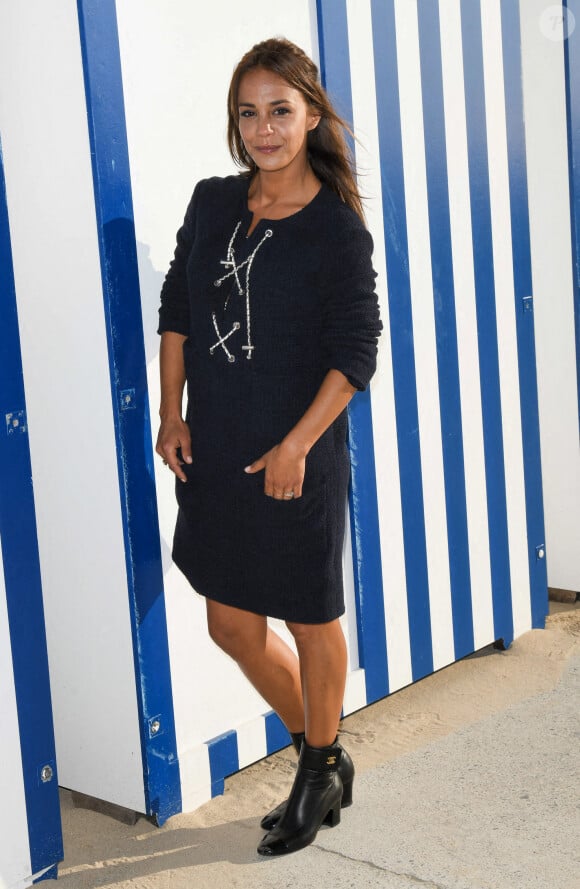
[418, 881]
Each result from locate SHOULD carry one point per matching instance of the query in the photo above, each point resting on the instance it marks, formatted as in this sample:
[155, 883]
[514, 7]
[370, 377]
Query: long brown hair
[328, 152]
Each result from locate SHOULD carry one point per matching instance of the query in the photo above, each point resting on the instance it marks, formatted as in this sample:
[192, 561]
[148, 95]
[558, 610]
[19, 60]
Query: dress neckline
[248, 214]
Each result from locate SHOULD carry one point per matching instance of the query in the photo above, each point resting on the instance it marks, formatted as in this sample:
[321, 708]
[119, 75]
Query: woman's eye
[246, 113]
[281, 111]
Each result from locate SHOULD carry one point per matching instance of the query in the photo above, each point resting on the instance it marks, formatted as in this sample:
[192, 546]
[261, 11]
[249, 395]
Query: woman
[269, 316]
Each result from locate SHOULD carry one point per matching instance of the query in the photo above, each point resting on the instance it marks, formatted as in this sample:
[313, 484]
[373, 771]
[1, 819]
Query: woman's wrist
[296, 445]
[170, 411]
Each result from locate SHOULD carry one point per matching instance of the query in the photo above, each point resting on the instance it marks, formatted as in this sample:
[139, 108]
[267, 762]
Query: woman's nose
[264, 126]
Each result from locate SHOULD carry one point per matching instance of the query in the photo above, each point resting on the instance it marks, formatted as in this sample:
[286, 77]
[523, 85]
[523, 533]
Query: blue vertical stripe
[366, 550]
[364, 510]
[486, 318]
[445, 324]
[22, 579]
[522, 266]
[572, 82]
[401, 328]
[223, 760]
[224, 753]
[277, 735]
[116, 234]
[334, 54]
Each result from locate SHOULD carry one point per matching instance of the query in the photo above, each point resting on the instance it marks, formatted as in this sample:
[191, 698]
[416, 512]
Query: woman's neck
[282, 188]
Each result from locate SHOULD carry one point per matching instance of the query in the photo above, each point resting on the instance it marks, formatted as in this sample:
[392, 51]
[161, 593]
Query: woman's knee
[305, 634]
[308, 635]
[235, 632]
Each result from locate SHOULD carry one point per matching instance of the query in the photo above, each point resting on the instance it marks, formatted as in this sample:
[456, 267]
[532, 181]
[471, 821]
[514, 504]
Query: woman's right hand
[174, 435]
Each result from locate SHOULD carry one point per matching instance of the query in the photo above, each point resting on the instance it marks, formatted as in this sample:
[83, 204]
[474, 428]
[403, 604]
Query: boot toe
[272, 818]
[273, 846]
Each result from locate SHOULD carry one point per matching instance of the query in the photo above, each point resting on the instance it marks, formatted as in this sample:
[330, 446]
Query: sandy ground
[100, 851]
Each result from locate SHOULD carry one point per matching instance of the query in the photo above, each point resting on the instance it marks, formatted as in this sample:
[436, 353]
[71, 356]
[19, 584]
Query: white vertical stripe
[195, 775]
[424, 333]
[383, 399]
[553, 287]
[15, 864]
[506, 320]
[252, 741]
[355, 694]
[466, 318]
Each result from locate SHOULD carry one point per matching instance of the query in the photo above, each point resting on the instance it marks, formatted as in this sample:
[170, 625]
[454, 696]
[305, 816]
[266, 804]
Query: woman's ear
[313, 121]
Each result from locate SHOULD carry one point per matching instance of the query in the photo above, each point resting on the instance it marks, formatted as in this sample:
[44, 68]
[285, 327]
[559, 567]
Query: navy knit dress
[266, 316]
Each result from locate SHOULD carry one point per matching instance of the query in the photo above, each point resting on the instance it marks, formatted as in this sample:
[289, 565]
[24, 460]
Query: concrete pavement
[493, 805]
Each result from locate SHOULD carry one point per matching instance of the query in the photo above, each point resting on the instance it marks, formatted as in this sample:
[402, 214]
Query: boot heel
[333, 817]
[346, 795]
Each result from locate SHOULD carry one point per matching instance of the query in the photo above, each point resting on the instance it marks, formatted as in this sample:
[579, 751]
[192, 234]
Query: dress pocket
[292, 527]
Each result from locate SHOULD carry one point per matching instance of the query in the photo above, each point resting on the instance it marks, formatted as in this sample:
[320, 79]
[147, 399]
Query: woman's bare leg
[323, 658]
[266, 660]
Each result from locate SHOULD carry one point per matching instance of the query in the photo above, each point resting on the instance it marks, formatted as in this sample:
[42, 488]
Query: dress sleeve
[351, 319]
[174, 310]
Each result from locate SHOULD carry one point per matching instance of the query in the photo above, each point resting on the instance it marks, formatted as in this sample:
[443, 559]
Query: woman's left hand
[284, 469]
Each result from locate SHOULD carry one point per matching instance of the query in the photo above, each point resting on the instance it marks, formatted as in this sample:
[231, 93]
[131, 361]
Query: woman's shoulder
[215, 195]
[339, 216]
[340, 223]
[221, 187]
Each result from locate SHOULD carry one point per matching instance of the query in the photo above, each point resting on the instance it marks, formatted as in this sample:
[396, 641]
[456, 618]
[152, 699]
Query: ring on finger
[289, 495]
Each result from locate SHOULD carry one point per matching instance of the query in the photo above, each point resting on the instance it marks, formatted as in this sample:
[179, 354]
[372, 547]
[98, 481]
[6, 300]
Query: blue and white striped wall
[122, 112]
[30, 828]
[443, 144]
[98, 541]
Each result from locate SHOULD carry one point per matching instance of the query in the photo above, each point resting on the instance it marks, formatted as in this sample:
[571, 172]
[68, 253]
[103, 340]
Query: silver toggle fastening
[222, 339]
[230, 263]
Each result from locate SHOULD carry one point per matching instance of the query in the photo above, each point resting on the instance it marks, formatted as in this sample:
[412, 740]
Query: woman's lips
[267, 149]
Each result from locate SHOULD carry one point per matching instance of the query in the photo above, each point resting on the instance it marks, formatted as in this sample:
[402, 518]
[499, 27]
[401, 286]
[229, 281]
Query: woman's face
[274, 120]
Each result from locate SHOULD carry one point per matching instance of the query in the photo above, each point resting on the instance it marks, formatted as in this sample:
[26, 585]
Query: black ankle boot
[345, 770]
[314, 800]
[297, 738]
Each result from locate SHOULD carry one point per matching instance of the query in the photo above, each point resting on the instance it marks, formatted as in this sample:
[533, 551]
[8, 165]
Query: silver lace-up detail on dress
[234, 269]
